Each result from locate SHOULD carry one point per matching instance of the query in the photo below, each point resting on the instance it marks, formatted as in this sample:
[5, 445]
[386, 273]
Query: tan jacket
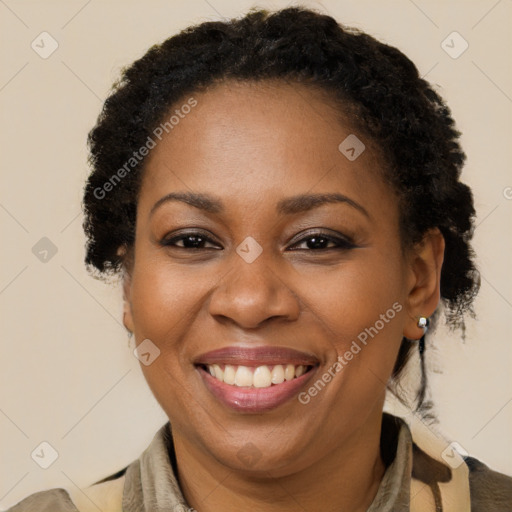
[424, 474]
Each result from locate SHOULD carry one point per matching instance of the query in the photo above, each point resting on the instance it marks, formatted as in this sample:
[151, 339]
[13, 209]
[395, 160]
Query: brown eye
[191, 240]
[321, 241]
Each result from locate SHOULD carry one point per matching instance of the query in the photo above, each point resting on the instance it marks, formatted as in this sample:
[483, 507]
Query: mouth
[255, 380]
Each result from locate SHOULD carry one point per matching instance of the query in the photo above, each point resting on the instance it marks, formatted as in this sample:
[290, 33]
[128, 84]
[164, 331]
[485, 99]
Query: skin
[252, 145]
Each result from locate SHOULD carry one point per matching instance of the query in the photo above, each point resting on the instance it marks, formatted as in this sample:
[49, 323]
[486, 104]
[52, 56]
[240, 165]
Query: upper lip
[256, 356]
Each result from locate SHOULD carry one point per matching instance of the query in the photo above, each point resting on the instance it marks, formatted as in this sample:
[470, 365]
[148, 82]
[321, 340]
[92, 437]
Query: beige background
[67, 375]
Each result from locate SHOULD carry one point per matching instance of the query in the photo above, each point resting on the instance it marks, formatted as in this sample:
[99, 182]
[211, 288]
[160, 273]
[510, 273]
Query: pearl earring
[423, 323]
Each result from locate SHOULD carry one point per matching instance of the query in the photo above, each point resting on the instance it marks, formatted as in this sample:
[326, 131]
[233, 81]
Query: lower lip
[254, 400]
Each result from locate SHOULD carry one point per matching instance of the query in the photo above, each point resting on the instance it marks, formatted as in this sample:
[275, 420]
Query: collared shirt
[422, 475]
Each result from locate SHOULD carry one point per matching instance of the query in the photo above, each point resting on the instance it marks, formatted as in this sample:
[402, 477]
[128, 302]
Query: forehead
[254, 140]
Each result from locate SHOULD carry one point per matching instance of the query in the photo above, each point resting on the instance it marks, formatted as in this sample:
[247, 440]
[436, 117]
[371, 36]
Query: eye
[189, 240]
[319, 241]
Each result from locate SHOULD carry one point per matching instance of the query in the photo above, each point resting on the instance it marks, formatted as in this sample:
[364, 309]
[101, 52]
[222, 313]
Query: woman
[281, 196]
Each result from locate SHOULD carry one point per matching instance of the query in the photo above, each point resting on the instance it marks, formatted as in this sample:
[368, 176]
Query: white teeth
[219, 374]
[277, 374]
[229, 374]
[259, 377]
[243, 376]
[289, 372]
[300, 370]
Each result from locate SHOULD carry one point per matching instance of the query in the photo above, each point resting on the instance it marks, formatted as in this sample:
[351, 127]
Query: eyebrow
[306, 202]
[289, 206]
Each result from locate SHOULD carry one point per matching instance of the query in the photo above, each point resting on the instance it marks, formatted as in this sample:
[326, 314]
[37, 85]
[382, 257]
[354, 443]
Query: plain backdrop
[67, 374]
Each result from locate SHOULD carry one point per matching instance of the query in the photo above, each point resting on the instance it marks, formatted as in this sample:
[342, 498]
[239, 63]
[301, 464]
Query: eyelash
[343, 243]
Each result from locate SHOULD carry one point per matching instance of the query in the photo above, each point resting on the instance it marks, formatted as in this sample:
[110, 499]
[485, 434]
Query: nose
[251, 294]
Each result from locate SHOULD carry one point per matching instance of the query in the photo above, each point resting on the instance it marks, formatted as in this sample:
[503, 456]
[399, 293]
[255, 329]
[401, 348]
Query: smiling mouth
[263, 376]
[255, 380]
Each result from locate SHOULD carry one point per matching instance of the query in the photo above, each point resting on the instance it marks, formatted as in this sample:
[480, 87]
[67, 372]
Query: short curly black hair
[374, 84]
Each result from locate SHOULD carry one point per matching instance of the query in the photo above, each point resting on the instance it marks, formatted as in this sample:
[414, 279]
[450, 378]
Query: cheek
[165, 296]
[165, 302]
[361, 308]
[353, 296]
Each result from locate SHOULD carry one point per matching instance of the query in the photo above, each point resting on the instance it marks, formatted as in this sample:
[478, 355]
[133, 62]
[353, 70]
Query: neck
[347, 478]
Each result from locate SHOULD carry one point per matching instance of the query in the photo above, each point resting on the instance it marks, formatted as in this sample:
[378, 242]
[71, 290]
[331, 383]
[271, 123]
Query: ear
[127, 305]
[127, 287]
[424, 283]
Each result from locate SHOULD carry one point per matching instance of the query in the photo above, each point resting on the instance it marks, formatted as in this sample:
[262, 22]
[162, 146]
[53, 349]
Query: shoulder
[121, 490]
[53, 500]
[454, 477]
[105, 495]
[490, 491]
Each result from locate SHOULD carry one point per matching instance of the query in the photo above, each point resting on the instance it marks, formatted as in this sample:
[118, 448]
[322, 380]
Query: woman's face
[282, 256]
